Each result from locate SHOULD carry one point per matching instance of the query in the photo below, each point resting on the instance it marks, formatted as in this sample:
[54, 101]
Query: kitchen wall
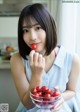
[8, 32]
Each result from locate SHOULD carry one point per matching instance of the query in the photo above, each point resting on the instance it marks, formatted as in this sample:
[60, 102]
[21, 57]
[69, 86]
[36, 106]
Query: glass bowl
[44, 102]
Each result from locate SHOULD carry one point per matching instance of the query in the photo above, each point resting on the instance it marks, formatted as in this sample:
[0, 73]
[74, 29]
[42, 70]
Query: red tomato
[44, 88]
[40, 94]
[49, 91]
[35, 96]
[55, 93]
[34, 90]
[38, 88]
[47, 97]
[33, 46]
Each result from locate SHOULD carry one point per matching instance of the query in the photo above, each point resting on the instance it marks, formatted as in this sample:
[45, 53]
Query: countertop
[5, 65]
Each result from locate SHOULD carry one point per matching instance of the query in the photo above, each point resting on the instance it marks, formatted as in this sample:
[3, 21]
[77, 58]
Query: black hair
[45, 20]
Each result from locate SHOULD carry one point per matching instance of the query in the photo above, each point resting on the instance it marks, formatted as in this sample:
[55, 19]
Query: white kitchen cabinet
[8, 27]
[8, 93]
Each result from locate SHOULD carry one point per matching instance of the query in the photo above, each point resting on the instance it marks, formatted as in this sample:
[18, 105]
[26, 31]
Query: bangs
[29, 21]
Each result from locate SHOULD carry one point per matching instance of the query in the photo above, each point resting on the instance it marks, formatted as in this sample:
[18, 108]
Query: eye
[38, 27]
[25, 30]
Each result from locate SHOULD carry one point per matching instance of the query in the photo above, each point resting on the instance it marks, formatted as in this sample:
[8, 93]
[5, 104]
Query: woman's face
[34, 34]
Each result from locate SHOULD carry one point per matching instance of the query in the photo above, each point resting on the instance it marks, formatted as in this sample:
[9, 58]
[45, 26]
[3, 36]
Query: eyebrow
[29, 26]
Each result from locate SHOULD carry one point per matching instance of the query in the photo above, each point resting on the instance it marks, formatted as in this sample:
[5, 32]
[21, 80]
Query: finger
[54, 109]
[35, 58]
[56, 88]
[40, 58]
[43, 61]
[59, 104]
[58, 108]
[31, 56]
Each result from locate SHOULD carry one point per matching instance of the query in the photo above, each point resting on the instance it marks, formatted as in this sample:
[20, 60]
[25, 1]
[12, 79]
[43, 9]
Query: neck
[50, 56]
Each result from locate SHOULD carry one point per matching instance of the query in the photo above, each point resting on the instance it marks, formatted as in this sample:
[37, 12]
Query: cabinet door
[45, 2]
[8, 27]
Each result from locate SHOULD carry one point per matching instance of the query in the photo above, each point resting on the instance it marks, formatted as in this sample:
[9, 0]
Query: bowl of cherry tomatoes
[44, 97]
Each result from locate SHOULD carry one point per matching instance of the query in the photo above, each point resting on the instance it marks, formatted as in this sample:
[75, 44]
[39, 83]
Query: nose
[33, 35]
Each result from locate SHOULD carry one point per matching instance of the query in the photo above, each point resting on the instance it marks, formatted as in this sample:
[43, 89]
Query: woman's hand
[37, 63]
[59, 104]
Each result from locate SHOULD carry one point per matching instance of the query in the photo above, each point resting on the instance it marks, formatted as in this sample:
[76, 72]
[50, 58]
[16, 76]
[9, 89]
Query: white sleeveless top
[56, 76]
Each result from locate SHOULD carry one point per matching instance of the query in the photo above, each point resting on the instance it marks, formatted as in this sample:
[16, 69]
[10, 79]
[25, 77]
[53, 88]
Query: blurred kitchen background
[67, 16]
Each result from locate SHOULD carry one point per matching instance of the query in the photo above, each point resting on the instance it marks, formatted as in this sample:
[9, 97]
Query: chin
[41, 51]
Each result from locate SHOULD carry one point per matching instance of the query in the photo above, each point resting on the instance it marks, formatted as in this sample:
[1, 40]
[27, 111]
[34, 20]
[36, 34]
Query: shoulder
[15, 58]
[16, 64]
[15, 55]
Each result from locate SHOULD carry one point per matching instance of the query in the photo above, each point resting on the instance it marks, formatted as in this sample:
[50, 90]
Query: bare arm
[71, 86]
[73, 77]
[19, 76]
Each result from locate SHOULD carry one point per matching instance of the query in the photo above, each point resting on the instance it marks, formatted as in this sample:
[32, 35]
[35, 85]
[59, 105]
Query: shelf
[5, 65]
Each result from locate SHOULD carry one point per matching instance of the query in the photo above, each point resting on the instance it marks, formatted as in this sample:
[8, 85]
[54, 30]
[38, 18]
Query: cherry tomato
[49, 91]
[35, 96]
[40, 94]
[34, 90]
[47, 97]
[55, 93]
[33, 46]
[44, 88]
[38, 88]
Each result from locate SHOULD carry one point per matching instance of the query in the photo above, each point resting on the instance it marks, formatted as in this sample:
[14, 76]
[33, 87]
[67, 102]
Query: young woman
[49, 64]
